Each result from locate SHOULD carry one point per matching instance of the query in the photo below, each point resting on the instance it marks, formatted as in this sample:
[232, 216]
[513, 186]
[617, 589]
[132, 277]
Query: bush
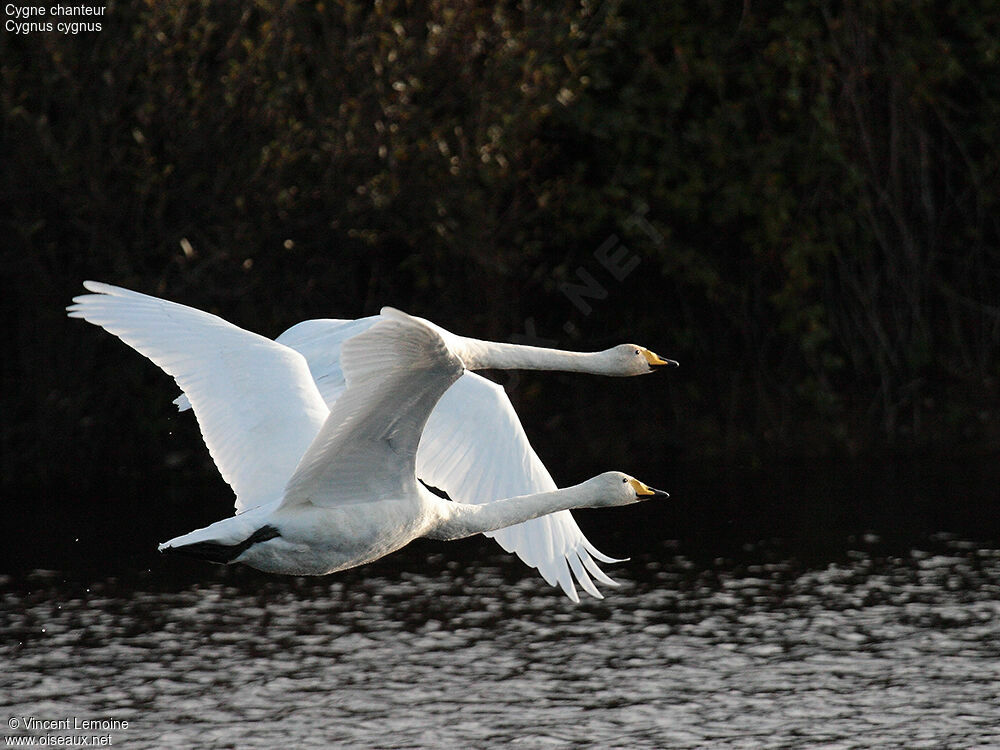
[810, 191]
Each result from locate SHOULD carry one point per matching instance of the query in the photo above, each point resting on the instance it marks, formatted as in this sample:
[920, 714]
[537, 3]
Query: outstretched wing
[320, 342]
[256, 403]
[475, 449]
[395, 372]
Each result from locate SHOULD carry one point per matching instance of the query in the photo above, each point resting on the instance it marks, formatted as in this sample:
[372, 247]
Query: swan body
[260, 404]
[314, 539]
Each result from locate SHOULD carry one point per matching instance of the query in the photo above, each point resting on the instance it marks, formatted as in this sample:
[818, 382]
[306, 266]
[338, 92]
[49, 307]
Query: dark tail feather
[224, 553]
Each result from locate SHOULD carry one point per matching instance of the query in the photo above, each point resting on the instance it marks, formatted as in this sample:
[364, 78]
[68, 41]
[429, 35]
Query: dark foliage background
[800, 201]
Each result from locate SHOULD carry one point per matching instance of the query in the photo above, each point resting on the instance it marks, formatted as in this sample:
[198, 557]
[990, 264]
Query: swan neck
[493, 355]
[460, 520]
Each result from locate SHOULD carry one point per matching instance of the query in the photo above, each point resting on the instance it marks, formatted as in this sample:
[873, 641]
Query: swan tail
[214, 550]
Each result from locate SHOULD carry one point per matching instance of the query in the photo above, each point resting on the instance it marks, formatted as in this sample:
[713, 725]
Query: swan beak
[645, 491]
[655, 360]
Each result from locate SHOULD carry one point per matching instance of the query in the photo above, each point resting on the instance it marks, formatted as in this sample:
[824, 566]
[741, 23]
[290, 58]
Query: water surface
[878, 648]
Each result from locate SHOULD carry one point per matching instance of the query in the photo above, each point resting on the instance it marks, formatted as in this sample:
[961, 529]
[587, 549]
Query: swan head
[615, 488]
[632, 359]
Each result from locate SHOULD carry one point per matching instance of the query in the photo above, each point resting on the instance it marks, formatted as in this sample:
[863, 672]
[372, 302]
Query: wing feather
[475, 449]
[255, 400]
[395, 372]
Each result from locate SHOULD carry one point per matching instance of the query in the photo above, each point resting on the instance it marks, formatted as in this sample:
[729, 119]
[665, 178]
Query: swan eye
[637, 352]
[624, 481]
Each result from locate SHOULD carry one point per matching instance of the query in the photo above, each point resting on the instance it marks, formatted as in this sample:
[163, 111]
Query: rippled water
[871, 651]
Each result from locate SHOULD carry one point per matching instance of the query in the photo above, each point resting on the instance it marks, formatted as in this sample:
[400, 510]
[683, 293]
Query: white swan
[354, 496]
[473, 446]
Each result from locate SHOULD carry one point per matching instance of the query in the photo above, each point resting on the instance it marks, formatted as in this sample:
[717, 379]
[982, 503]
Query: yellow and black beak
[645, 492]
[655, 360]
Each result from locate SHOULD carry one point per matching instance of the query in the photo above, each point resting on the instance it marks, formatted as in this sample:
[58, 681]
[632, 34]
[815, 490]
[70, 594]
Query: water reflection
[875, 650]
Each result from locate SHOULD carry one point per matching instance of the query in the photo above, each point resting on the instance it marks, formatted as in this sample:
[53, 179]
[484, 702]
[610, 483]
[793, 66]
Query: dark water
[877, 648]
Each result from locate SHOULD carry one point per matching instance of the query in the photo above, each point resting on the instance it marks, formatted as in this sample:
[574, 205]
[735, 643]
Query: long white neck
[492, 355]
[459, 520]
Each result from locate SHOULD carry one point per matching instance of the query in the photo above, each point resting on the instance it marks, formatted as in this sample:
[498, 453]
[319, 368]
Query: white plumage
[263, 405]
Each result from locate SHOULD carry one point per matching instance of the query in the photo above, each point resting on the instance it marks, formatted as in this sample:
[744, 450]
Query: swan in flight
[353, 496]
[473, 446]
